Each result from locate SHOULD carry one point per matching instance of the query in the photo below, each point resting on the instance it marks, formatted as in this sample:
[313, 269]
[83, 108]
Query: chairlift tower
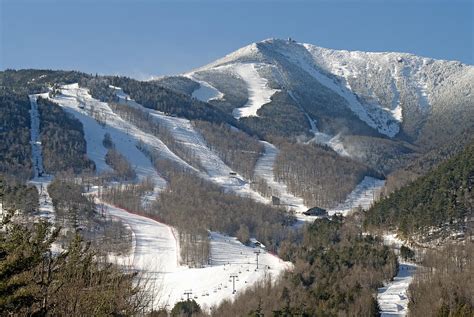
[188, 294]
[233, 277]
[257, 253]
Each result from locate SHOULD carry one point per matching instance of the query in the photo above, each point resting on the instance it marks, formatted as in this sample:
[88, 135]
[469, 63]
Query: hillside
[189, 179]
[434, 205]
[401, 103]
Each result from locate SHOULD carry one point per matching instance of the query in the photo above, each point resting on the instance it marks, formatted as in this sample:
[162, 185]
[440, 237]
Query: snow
[264, 170]
[363, 195]
[392, 240]
[215, 170]
[156, 255]
[257, 87]
[206, 92]
[375, 116]
[319, 137]
[393, 298]
[80, 104]
[41, 180]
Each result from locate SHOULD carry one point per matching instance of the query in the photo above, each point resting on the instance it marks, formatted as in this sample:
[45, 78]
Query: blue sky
[142, 38]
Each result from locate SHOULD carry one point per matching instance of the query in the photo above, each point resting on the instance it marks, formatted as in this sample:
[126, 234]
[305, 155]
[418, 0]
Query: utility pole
[188, 294]
[233, 277]
[257, 253]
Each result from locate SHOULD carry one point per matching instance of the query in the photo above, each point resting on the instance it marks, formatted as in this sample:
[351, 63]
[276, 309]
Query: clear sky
[140, 38]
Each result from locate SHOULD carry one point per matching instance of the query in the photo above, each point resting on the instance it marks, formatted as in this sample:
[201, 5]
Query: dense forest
[15, 147]
[317, 173]
[18, 196]
[337, 272]
[236, 148]
[441, 199]
[443, 286]
[62, 140]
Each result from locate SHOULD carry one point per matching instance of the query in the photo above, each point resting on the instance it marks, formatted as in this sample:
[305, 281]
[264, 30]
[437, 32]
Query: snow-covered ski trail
[41, 180]
[125, 136]
[363, 196]
[156, 254]
[393, 297]
[264, 170]
[257, 88]
[215, 170]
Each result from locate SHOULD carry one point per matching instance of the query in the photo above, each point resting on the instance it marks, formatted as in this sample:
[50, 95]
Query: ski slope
[205, 92]
[82, 106]
[363, 195]
[156, 255]
[264, 170]
[257, 88]
[393, 298]
[41, 180]
[215, 170]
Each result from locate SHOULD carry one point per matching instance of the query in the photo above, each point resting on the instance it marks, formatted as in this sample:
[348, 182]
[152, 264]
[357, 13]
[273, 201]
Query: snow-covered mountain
[394, 95]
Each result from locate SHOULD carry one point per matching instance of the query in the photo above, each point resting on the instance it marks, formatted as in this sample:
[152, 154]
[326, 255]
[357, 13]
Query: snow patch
[333, 142]
[375, 116]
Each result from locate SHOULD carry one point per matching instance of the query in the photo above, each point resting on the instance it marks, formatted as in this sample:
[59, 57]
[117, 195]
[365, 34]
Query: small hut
[275, 201]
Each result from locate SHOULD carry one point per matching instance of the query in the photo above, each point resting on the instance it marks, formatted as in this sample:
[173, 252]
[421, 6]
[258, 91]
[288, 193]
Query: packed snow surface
[257, 88]
[363, 195]
[156, 255]
[393, 298]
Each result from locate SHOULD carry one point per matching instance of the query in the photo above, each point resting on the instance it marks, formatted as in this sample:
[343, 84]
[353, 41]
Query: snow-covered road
[393, 298]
